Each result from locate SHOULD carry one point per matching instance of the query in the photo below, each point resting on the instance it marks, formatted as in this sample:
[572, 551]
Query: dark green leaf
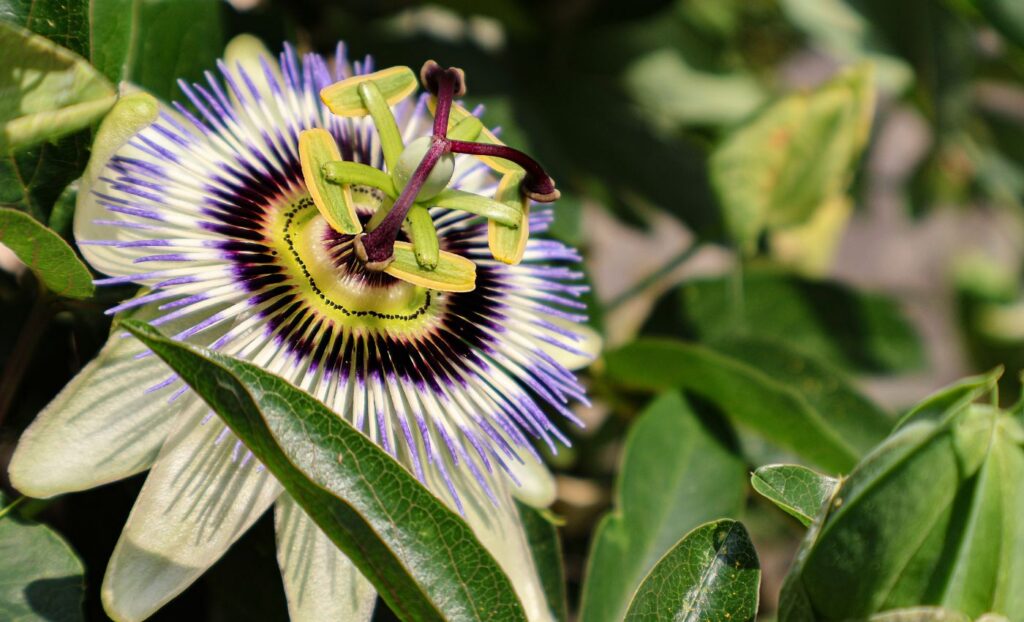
[931, 517]
[794, 488]
[47, 91]
[41, 578]
[32, 180]
[152, 43]
[546, 549]
[675, 475]
[65, 23]
[1006, 15]
[855, 330]
[421, 557]
[745, 393]
[860, 422]
[46, 254]
[712, 574]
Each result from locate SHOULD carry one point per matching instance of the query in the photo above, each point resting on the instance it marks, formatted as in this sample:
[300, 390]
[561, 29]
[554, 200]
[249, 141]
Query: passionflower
[371, 246]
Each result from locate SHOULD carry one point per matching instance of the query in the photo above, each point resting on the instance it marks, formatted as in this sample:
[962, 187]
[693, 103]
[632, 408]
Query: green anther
[508, 245]
[454, 273]
[424, 236]
[344, 172]
[468, 129]
[504, 213]
[384, 121]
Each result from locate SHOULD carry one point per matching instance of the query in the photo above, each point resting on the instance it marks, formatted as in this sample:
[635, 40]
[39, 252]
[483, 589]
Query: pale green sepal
[585, 349]
[197, 500]
[130, 115]
[246, 51]
[319, 581]
[100, 428]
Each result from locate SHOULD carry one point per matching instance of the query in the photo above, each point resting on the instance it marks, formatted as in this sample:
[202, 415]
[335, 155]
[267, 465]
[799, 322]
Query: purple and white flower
[207, 209]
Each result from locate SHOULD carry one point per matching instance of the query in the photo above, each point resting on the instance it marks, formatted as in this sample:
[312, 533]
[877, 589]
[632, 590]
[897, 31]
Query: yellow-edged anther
[508, 244]
[453, 273]
[333, 201]
[344, 99]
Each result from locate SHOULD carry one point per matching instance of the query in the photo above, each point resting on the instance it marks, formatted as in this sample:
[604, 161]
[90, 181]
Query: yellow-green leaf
[46, 91]
[778, 169]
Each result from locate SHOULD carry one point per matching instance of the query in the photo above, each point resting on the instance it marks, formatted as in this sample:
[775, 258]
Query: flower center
[325, 269]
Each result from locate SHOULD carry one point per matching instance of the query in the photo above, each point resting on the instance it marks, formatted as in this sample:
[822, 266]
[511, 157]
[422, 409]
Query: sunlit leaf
[712, 574]
[776, 170]
[675, 475]
[46, 254]
[421, 557]
[798, 490]
[46, 91]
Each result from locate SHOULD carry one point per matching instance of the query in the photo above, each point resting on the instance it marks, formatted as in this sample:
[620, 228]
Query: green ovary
[301, 239]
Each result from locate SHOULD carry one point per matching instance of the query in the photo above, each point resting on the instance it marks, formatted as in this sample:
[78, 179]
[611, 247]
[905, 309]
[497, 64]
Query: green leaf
[920, 614]
[747, 395]
[931, 517]
[32, 179]
[546, 549]
[675, 475]
[422, 558]
[798, 490]
[853, 330]
[712, 574]
[153, 43]
[858, 420]
[48, 91]
[46, 254]
[776, 170]
[41, 578]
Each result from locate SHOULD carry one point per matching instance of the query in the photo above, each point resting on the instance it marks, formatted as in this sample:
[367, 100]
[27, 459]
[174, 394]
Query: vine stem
[16, 366]
[648, 281]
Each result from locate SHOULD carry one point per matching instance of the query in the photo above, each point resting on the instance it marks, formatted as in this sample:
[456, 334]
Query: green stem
[651, 279]
[13, 505]
[34, 328]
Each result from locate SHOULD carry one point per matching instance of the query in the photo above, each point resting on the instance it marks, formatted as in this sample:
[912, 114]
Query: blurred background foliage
[799, 217]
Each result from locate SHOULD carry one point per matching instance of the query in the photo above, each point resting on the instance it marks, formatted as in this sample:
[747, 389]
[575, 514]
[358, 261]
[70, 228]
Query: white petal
[320, 582]
[101, 427]
[499, 529]
[197, 500]
[589, 346]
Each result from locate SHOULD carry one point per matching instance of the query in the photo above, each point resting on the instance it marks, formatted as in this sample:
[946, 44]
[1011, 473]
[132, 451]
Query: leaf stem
[651, 279]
